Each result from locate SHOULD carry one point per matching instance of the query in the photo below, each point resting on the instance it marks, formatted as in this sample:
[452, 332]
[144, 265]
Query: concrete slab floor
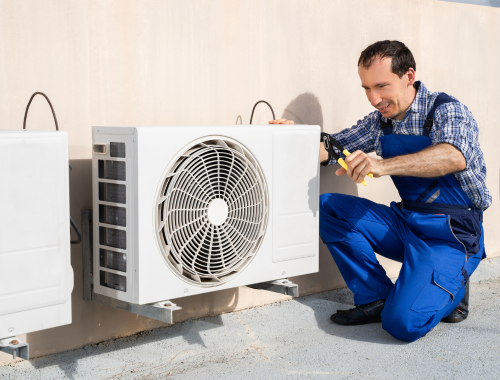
[291, 340]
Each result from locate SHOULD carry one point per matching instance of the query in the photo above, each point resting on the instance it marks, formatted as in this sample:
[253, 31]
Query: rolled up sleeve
[455, 125]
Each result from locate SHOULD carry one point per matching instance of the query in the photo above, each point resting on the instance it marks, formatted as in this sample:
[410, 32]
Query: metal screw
[185, 290]
[97, 130]
[14, 342]
[101, 290]
[133, 140]
[11, 329]
[283, 273]
[135, 299]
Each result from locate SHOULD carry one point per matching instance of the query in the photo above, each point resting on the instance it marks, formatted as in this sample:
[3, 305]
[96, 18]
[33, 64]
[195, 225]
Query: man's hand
[281, 121]
[359, 164]
[435, 161]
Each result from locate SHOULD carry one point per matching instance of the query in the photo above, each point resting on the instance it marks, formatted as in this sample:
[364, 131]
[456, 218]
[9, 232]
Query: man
[429, 146]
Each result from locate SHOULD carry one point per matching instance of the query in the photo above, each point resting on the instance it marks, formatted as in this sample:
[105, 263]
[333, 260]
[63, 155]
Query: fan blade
[222, 144]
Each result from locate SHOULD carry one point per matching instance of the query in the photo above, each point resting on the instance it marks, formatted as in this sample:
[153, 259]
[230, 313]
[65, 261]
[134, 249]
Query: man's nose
[374, 98]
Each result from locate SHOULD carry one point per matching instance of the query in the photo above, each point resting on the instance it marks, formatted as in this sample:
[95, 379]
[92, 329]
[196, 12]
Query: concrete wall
[207, 62]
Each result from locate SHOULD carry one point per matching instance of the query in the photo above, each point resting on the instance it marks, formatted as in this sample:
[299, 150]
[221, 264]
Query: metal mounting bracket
[16, 347]
[161, 311]
[282, 286]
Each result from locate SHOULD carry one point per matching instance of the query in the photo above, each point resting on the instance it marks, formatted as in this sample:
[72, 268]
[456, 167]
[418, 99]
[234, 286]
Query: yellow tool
[347, 153]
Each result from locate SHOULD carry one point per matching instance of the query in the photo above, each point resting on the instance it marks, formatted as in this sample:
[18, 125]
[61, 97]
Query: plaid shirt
[453, 124]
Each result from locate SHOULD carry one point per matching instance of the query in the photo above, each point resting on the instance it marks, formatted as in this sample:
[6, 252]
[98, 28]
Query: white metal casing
[36, 278]
[288, 156]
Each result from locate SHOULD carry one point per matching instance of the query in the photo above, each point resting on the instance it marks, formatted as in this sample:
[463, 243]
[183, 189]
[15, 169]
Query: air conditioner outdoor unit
[184, 210]
[36, 278]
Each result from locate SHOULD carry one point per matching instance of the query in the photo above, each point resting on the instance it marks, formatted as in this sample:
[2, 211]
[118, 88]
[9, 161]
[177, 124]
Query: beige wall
[207, 62]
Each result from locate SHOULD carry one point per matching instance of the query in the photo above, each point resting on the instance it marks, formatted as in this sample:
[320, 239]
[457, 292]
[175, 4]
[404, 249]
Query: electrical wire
[28, 106]
[71, 221]
[261, 101]
[78, 233]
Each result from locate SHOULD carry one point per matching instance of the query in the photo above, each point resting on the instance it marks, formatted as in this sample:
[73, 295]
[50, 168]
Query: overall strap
[441, 99]
[386, 126]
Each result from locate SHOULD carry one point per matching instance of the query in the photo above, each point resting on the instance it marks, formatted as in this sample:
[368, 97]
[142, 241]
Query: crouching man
[429, 146]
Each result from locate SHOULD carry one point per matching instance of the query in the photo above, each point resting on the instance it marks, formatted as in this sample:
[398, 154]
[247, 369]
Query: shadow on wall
[306, 109]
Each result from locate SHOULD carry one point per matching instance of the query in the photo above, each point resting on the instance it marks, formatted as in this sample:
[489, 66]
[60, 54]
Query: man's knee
[404, 324]
[329, 202]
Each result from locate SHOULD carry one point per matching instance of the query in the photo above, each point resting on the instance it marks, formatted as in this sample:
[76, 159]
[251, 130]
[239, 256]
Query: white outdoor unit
[184, 210]
[36, 278]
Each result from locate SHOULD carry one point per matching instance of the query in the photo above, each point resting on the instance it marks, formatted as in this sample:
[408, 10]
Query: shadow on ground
[325, 304]
[190, 331]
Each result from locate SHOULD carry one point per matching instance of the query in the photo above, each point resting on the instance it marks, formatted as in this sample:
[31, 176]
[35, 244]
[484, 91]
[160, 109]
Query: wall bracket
[16, 347]
[161, 311]
[282, 286]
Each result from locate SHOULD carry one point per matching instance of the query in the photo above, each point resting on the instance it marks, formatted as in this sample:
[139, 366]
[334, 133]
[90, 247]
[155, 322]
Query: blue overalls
[435, 232]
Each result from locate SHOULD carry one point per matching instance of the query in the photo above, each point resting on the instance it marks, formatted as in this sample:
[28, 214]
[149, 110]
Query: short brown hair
[402, 58]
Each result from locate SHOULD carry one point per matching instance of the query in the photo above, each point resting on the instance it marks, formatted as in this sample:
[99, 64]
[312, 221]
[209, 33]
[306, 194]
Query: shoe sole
[453, 319]
[349, 323]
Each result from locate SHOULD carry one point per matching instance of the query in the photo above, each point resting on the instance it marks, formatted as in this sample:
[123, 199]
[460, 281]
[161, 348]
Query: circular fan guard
[212, 211]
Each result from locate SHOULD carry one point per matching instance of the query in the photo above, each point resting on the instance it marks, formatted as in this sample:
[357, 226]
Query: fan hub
[218, 211]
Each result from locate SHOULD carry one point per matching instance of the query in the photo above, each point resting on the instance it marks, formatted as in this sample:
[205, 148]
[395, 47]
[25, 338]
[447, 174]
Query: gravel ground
[291, 340]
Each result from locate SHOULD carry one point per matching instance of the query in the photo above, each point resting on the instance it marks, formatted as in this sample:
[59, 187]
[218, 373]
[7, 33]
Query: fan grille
[211, 211]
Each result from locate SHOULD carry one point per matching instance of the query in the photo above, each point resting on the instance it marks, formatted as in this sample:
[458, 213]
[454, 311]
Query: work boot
[360, 315]
[461, 312]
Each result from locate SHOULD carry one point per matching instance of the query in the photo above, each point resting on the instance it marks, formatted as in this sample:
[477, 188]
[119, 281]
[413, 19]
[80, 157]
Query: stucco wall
[207, 62]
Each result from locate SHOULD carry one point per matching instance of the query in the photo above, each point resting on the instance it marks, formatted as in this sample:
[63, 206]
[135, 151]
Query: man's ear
[411, 76]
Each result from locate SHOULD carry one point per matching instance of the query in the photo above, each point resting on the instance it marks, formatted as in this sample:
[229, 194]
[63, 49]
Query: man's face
[386, 91]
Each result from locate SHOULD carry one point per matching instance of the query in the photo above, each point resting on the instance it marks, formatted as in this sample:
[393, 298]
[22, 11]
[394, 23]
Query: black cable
[71, 221]
[261, 101]
[77, 241]
[28, 106]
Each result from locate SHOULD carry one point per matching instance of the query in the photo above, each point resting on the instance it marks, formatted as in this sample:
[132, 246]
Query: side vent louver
[113, 260]
[113, 215]
[114, 281]
[113, 218]
[117, 149]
